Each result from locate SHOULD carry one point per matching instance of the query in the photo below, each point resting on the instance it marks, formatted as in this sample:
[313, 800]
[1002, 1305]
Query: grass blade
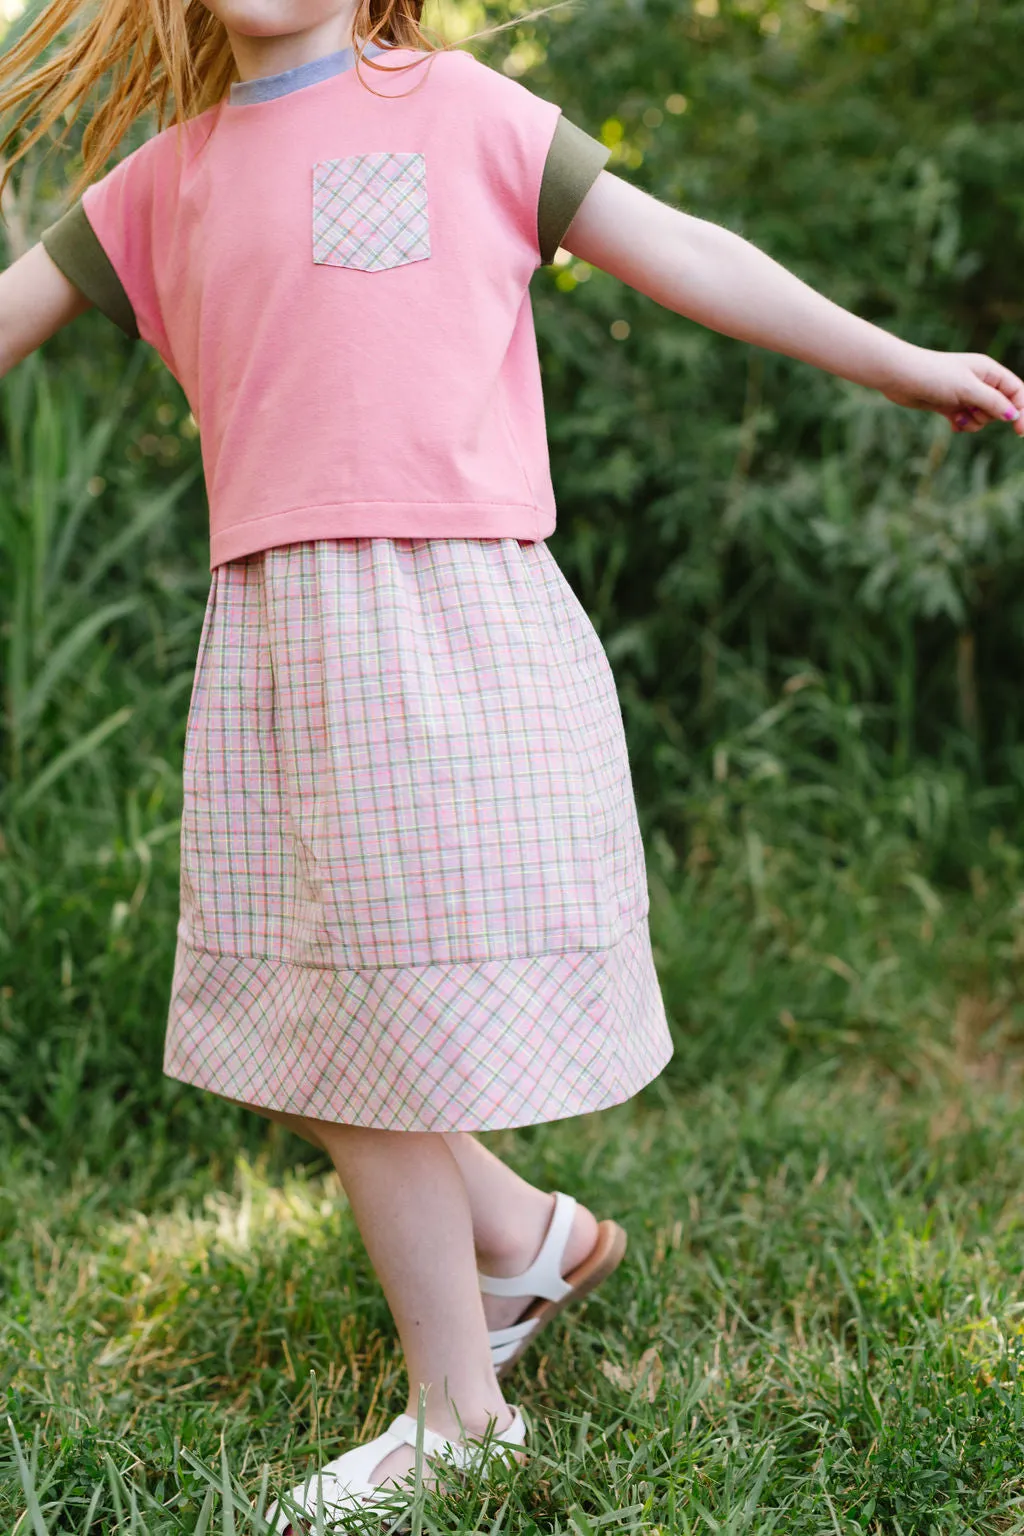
[71, 755]
[227, 1494]
[203, 1522]
[35, 1514]
[62, 658]
[151, 512]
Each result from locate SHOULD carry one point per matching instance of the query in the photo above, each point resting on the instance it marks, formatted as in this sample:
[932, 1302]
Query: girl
[413, 893]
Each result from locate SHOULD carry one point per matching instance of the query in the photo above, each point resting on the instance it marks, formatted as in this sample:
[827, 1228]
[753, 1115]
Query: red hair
[171, 57]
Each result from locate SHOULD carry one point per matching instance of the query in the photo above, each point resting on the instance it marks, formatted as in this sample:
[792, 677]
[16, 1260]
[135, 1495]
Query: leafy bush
[733, 519]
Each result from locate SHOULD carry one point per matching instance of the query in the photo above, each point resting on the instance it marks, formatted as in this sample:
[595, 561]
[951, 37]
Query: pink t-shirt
[340, 283]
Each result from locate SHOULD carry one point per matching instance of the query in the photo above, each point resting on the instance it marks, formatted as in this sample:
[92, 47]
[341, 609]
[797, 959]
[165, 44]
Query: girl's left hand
[967, 388]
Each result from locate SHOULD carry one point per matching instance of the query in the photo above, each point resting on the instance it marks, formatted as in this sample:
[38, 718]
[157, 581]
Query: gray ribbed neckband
[266, 87]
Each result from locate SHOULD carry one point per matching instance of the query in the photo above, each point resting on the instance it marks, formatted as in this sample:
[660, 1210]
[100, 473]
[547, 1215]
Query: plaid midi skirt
[413, 888]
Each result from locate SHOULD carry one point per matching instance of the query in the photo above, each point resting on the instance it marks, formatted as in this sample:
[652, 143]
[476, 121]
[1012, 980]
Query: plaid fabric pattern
[370, 211]
[413, 888]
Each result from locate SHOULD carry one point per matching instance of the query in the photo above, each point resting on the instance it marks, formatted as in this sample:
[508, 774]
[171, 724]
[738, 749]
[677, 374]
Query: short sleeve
[544, 163]
[573, 164]
[106, 243]
[506, 136]
[72, 245]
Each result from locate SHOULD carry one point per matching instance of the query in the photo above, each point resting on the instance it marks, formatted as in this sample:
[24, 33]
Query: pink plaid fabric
[370, 211]
[413, 889]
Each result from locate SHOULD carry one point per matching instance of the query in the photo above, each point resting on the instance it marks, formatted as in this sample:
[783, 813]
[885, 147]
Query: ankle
[514, 1248]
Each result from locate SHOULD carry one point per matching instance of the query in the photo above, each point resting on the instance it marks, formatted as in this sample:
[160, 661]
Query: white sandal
[544, 1281]
[344, 1483]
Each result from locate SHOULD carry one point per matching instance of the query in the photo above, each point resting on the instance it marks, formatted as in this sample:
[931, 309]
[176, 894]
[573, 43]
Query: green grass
[817, 1329]
[823, 1285]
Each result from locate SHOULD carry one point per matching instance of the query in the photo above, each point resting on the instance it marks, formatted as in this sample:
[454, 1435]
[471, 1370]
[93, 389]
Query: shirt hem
[382, 520]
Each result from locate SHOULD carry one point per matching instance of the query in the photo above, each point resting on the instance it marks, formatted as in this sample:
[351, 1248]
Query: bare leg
[410, 1203]
[510, 1216]
[510, 1220]
[299, 1125]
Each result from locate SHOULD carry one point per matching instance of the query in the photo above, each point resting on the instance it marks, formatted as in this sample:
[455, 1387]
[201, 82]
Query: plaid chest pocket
[370, 211]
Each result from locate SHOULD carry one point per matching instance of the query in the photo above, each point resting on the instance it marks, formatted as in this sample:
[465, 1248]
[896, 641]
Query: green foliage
[728, 516]
[52, 472]
[810, 601]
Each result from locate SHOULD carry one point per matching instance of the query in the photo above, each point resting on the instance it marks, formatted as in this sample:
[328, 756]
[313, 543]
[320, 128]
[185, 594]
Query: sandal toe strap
[343, 1484]
[347, 1477]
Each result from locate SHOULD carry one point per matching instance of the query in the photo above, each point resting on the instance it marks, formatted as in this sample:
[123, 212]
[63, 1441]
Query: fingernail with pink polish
[1011, 415]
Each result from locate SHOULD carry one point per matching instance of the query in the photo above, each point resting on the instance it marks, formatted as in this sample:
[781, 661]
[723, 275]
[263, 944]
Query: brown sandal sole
[605, 1256]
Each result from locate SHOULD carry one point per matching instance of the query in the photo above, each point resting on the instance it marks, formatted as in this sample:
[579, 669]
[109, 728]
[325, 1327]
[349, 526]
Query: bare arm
[719, 279]
[36, 299]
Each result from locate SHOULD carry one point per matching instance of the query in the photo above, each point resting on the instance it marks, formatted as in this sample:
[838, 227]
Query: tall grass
[55, 573]
[100, 621]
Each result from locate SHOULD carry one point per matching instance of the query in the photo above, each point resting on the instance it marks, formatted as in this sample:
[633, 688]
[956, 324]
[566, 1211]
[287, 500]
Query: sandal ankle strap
[544, 1276]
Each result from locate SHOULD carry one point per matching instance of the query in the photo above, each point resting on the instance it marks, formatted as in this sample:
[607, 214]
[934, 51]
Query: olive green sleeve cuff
[574, 162]
[72, 244]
